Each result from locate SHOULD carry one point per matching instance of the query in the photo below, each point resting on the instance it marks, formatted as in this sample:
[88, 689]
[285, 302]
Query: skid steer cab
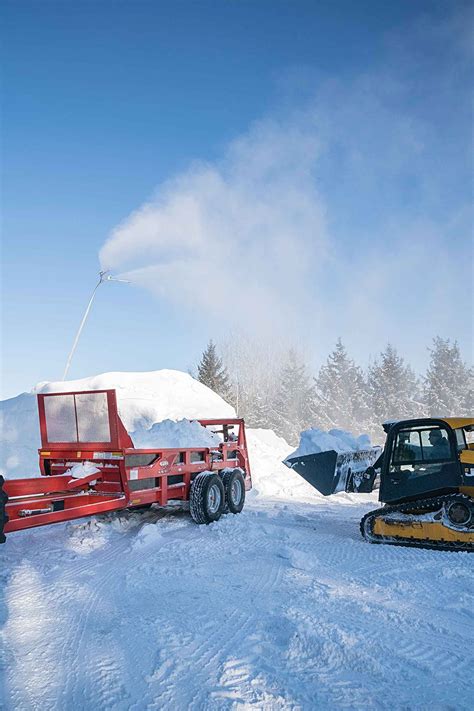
[426, 475]
[89, 465]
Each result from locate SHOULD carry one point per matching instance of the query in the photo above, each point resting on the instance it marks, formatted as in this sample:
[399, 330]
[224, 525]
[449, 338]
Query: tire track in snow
[323, 619]
[58, 607]
[419, 656]
[121, 544]
[212, 644]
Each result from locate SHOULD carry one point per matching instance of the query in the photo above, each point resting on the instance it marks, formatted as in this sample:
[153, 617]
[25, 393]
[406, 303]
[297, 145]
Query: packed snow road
[281, 607]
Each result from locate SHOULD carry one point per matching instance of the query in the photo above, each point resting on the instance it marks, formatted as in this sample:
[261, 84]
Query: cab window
[421, 450]
[435, 444]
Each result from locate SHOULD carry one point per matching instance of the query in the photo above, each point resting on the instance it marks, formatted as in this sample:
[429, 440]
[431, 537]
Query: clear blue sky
[103, 101]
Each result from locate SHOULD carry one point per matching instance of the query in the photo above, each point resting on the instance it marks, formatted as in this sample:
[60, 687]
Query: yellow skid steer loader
[426, 474]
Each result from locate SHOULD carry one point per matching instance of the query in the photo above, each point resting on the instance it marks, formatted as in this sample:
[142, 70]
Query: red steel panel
[37, 485]
[72, 512]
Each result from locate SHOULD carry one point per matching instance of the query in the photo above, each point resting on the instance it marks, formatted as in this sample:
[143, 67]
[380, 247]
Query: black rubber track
[3, 513]
[198, 497]
[417, 507]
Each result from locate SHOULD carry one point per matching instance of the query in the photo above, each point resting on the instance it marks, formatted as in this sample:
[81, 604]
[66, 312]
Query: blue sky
[344, 126]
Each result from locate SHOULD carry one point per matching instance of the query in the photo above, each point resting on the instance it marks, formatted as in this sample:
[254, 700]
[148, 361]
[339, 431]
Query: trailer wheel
[3, 513]
[207, 498]
[234, 487]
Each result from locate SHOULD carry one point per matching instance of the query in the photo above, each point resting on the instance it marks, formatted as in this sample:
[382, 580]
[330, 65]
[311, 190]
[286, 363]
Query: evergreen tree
[448, 387]
[393, 389]
[341, 393]
[292, 408]
[213, 373]
[254, 408]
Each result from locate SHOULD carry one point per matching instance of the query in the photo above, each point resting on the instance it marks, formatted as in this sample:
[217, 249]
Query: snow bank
[269, 475]
[174, 434]
[314, 441]
[19, 436]
[143, 400]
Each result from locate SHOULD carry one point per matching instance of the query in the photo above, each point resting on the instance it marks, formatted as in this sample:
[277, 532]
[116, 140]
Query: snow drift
[185, 433]
[270, 476]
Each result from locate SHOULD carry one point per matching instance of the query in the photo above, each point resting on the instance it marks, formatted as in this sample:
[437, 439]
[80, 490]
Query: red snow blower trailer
[85, 427]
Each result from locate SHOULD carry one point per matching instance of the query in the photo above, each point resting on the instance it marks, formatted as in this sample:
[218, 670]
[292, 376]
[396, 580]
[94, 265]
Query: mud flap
[330, 472]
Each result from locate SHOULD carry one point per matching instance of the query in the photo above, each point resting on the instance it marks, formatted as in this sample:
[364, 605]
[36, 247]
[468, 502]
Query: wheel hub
[213, 499]
[236, 491]
[459, 514]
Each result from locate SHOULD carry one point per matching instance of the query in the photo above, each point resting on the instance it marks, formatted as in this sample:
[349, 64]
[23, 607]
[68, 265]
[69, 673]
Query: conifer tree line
[280, 392]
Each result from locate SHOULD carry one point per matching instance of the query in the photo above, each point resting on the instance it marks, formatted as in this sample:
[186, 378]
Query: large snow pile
[143, 400]
[314, 441]
[168, 433]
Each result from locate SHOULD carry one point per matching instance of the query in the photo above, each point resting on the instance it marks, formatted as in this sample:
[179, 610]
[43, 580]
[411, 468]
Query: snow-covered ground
[281, 607]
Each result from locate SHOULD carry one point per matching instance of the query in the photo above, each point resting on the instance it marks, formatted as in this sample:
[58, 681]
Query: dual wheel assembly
[215, 494]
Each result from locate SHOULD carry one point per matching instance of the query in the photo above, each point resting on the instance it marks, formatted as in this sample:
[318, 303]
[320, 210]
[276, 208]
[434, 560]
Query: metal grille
[60, 416]
[77, 418]
[92, 417]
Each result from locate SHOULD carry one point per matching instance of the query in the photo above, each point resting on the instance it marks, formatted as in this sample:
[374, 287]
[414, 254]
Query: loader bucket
[330, 472]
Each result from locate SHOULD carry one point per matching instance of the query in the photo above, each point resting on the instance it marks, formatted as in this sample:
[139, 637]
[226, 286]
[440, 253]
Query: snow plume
[240, 238]
[347, 209]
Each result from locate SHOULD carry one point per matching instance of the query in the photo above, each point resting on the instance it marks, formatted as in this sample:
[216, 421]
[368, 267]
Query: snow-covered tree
[393, 389]
[291, 410]
[212, 372]
[272, 388]
[341, 397]
[448, 386]
[254, 366]
[253, 406]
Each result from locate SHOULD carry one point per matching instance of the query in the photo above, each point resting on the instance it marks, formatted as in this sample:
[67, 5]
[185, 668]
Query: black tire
[234, 487]
[3, 513]
[207, 498]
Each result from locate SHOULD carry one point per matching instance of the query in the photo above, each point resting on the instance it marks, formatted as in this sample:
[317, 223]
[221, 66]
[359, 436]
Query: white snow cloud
[324, 217]
[240, 238]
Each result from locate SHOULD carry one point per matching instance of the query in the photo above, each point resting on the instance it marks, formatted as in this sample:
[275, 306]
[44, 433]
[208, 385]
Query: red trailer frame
[85, 427]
